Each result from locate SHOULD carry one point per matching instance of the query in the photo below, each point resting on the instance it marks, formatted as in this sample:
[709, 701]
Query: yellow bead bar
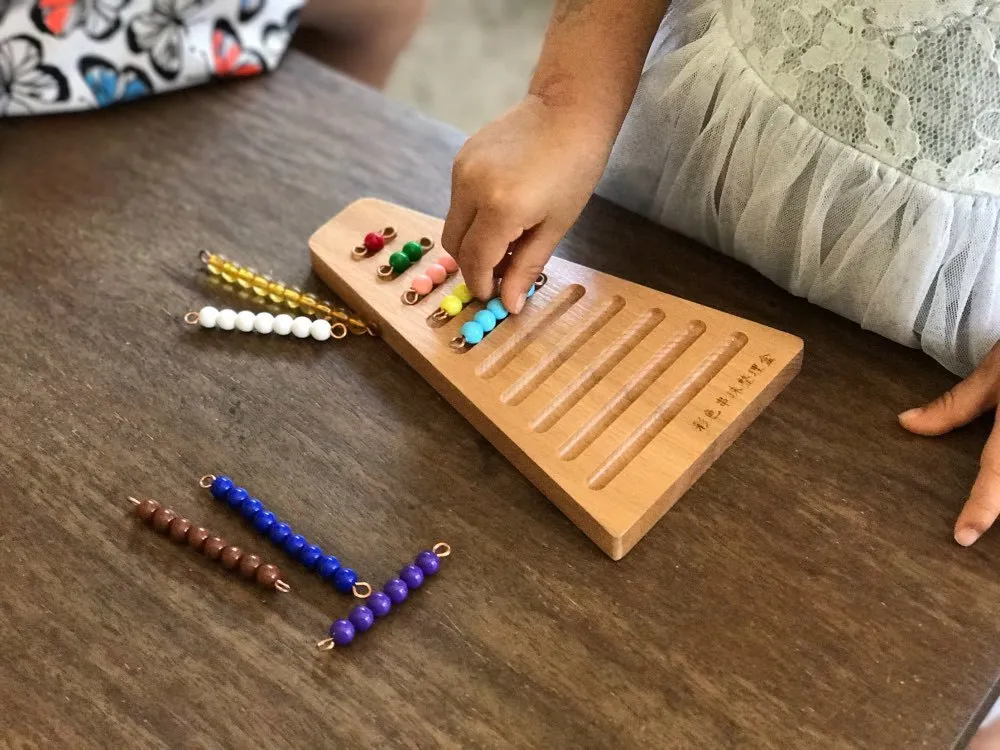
[241, 278]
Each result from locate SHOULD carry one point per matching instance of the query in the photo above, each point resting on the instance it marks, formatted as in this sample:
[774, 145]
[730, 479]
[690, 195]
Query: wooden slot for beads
[169, 523]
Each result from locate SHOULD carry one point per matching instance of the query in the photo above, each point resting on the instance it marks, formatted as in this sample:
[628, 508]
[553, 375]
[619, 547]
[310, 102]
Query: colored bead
[213, 547]
[300, 326]
[463, 292]
[294, 544]
[531, 292]
[399, 262]
[310, 555]
[374, 241]
[220, 486]
[279, 533]
[436, 273]
[260, 284]
[196, 537]
[342, 632]
[428, 562]
[344, 580]
[396, 590]
[179, 528]
[147, 509]
[276, 291]
[496, 307]
[244, 277]
[251, 507]
[236, 497]
[283, 324]
[327, 567]
[362, 618]
[320, 330]
[226, 320]
[308, 304]
[231, 557]
[268, 575]
[245, 321]
[412, 576]
[473, 332]
[422, 284]
[413, 251]
[449, 263]
[229, 271]
[249, 565]
[207, 317]
[263, 323]
[215, 263]
[486, 319]
[292, 297]
[162, 518]
[452, 305]
[380, 604]
[263, 521]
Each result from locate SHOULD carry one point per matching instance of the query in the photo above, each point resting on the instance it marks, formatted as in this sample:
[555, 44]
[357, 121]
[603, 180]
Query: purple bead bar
[380, 603]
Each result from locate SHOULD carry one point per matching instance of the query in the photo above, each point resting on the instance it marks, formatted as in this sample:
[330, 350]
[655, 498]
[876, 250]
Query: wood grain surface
[804, 593]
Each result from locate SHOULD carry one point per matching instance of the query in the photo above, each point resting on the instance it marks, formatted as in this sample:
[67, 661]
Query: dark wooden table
[805, 593]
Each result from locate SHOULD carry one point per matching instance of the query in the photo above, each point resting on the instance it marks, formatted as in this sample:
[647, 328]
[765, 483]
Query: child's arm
[523, 180]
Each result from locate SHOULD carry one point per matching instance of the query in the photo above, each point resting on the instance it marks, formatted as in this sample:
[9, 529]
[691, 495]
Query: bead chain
[433, 276]
[263, 322]
[373, 243]
[400, 260]
[168, 522]
[484, 321]
[276, 291]
[295, 546]
[394, 592]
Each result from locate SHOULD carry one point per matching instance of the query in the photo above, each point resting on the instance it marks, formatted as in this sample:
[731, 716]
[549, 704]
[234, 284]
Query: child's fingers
[532, 252]
[483, 247]
[983, 505]
[963, 403]
[461, 213]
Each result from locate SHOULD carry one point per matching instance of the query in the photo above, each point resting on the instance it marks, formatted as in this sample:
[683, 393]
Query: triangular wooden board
[610, 397]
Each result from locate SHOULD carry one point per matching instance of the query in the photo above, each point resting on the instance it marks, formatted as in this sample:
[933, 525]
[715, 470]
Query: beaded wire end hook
[263, 322]
[373, 243]
[484, 321]
[345, 580]
[394, 592]
[399, 261]
[168, 522]
[434, 275]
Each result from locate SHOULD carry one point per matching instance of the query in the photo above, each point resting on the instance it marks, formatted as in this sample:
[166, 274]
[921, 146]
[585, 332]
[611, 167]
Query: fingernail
[910, 413]
[519, 303]
[967, 536]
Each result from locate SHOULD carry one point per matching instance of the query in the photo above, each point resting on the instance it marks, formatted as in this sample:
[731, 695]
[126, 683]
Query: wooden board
[610, 397]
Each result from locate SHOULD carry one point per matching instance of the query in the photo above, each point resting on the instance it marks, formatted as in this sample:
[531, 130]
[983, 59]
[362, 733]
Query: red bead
[374, 241]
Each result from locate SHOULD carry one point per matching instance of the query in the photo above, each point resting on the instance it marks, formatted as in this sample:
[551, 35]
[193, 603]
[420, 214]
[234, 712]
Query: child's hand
[520, 183]
[975, 395]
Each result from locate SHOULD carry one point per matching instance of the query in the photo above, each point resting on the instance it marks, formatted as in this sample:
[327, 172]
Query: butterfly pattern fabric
[66, 55]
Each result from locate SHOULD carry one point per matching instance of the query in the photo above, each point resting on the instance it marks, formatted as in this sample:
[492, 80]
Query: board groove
[610, 397]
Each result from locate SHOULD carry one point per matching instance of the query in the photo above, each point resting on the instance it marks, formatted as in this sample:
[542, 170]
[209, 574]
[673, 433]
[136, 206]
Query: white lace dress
[849, 150]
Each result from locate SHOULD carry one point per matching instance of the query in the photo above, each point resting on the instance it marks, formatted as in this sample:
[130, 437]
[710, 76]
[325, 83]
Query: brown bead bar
[168, 522]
